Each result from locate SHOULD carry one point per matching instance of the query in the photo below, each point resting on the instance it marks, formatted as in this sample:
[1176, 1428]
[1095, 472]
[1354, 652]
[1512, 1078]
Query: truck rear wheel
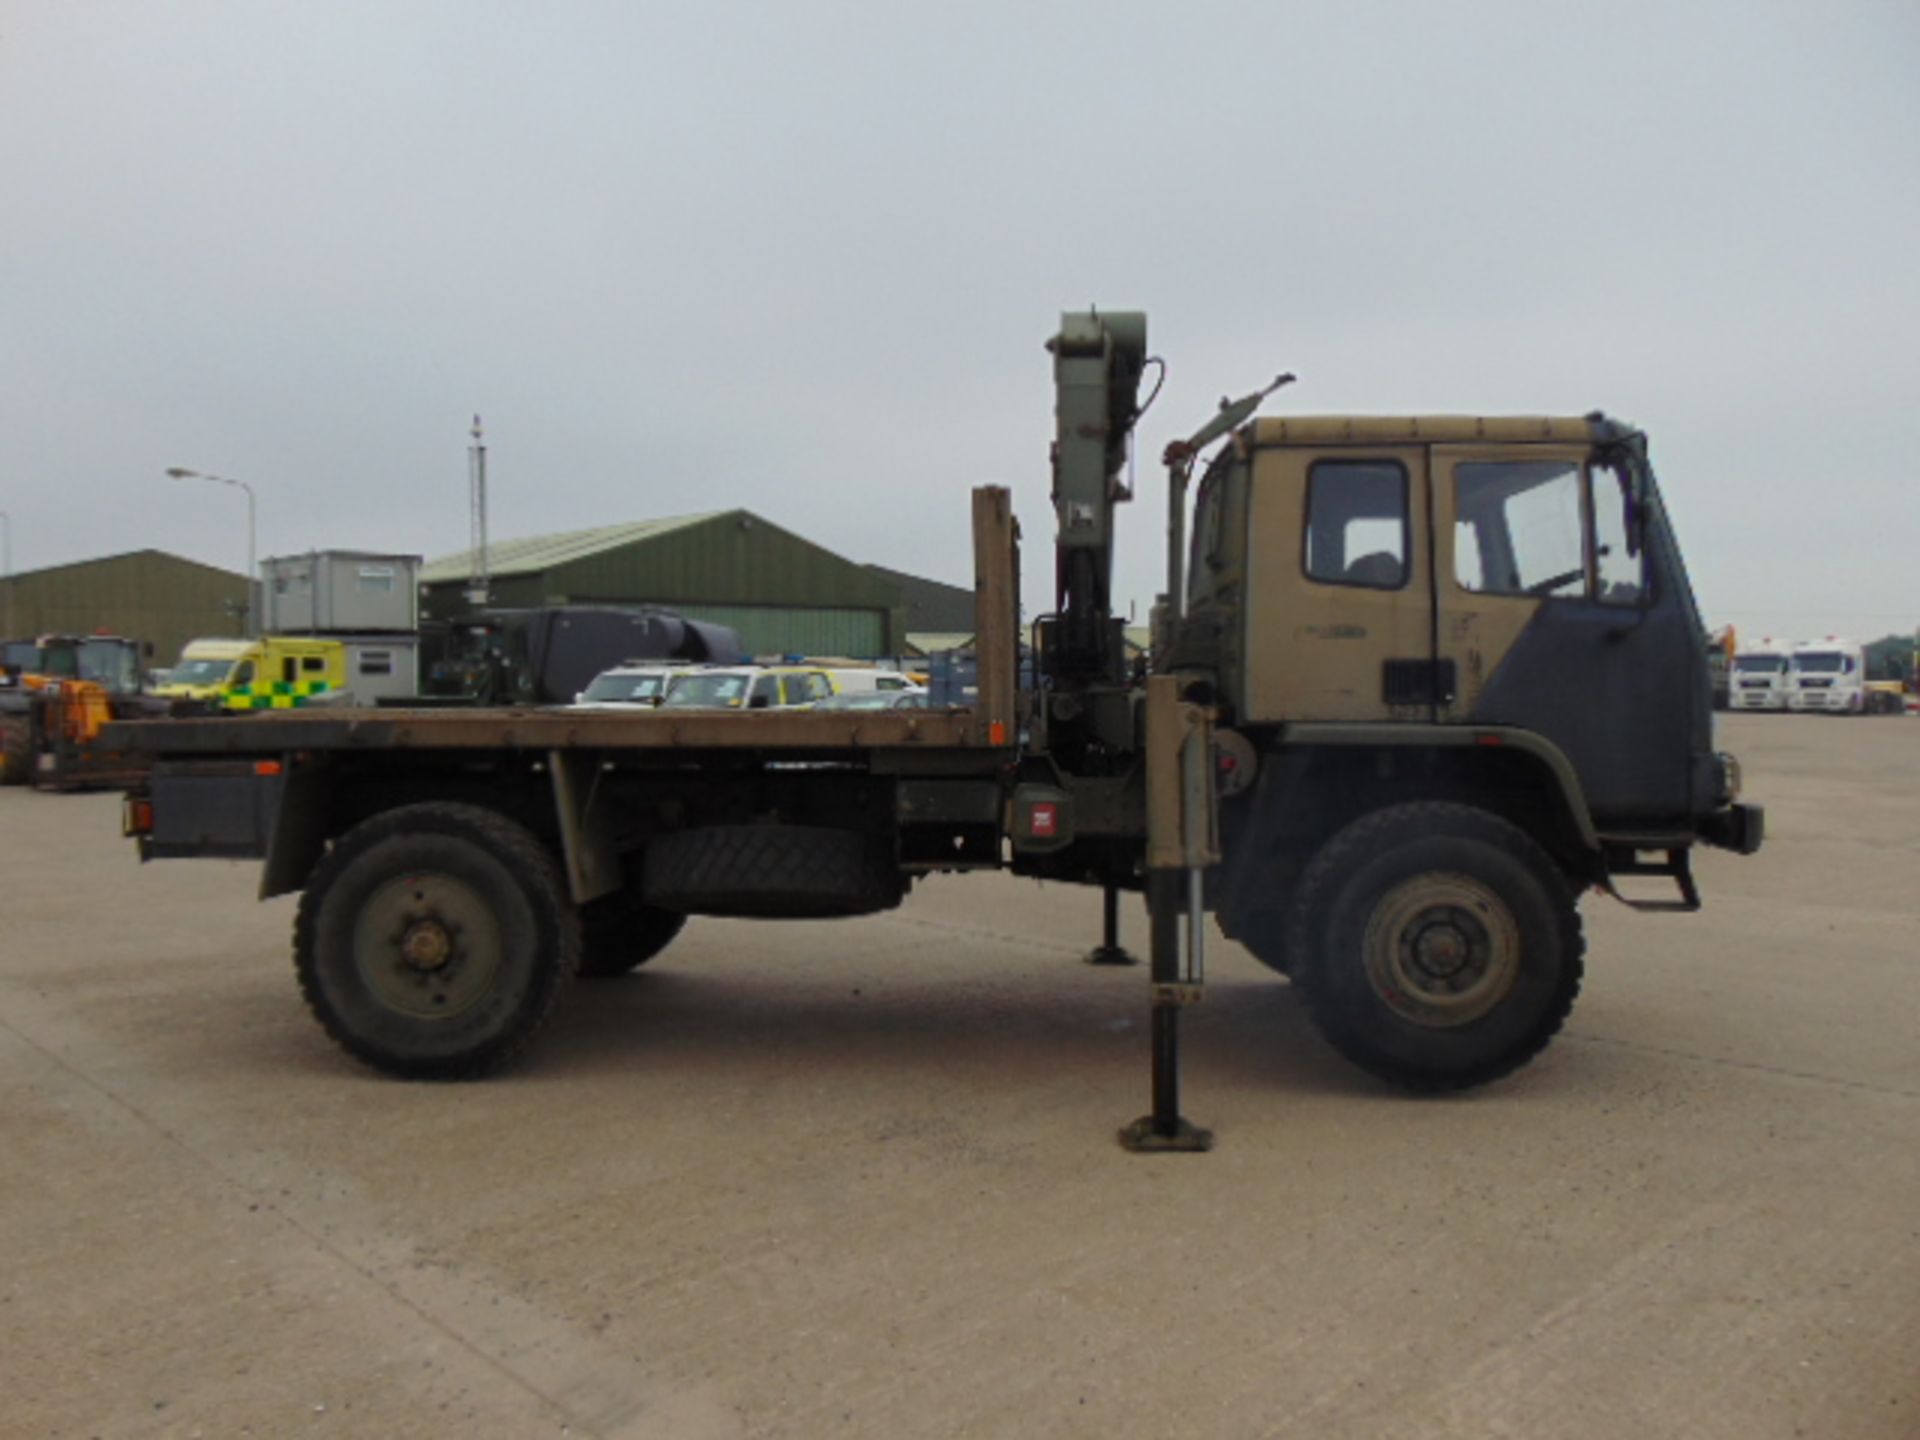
[1436, 945]
[433, 941]
[621, 932]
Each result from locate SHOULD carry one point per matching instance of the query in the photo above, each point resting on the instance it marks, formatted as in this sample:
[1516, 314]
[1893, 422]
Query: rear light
[136, 816]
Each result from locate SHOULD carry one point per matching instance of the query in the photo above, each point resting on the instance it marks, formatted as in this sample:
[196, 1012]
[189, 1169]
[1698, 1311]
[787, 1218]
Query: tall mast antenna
[479, 583]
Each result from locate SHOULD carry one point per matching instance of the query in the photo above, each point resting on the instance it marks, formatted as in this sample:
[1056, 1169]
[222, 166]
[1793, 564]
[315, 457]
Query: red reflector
[1046, 820]
[266, 767]
[138, 818]
[1489, 740]
[997, 733]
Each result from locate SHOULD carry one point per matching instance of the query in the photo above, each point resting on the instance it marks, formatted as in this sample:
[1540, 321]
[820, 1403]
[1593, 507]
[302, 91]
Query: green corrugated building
[161, 600]
[784, 595]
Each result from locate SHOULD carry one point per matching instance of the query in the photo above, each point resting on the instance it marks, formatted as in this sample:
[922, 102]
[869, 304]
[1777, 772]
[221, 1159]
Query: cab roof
[1430, 429]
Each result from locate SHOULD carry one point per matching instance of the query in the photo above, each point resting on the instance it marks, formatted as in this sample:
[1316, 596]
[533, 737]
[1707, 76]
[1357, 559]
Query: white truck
[1760, 676]
[1828, 675]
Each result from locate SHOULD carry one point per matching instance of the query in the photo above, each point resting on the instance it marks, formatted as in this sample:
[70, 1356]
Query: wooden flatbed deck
[277, 732]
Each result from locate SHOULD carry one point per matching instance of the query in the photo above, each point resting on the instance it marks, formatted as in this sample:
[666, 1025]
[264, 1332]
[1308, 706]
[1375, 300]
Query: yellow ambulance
[273, 672]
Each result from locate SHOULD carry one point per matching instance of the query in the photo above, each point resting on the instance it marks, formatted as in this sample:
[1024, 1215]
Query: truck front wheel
[433, 940]
[1436, 945]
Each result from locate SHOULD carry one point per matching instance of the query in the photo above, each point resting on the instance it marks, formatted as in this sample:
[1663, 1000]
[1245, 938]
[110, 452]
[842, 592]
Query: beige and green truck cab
[272, 672]
[1461, 656]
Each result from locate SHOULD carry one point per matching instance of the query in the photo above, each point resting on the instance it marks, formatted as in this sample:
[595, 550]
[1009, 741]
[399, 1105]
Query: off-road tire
[511, 934]
[621, 932]
[16, 749]
[1361, 944]
[770, 871]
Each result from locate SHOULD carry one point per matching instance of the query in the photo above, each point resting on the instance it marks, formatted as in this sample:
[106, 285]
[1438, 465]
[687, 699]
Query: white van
[854, 679]
[1760, 676]
[1828, 675]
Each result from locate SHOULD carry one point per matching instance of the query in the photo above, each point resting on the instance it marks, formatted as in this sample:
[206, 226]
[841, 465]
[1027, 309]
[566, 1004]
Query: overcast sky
[801, 257]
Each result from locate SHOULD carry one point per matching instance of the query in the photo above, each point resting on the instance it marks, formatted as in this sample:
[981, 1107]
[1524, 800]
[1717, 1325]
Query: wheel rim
[427, 946]
[1442, 950]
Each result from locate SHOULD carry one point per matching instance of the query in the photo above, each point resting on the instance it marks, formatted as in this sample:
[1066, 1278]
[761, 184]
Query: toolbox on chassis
[1416, 685]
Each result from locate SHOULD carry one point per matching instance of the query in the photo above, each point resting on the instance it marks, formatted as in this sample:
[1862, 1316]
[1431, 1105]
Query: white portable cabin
[382, 667]
[340, 592]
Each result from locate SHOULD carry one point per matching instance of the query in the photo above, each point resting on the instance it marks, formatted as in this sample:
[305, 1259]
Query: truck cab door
[1549, 613]
[1339, 616]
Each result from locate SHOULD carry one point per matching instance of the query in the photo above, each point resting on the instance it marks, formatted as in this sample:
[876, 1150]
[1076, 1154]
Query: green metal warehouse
[783, 594]
[161, 600]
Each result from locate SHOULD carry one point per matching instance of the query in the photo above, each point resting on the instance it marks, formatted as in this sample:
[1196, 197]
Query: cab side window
[242, 674]
[1619, 564]
[1528, 527]
[1357, 531]
[1525, 519]
[766, 692]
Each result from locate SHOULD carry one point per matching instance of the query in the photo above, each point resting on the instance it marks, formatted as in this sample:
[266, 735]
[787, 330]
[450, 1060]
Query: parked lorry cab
[272, 672]
[1760, 676]
[1417, 685]
[1828, 676]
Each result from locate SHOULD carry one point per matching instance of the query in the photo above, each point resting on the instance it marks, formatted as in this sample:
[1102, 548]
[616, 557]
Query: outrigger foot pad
[1111, 955]
[1145, 1137]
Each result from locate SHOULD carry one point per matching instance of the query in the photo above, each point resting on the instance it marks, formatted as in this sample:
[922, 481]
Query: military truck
[1416, 685]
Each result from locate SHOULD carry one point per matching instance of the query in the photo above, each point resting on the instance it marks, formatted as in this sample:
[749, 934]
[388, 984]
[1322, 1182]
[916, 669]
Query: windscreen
[1760, 664]
[199, 672]
[617, 689]
[1821, 662]
[110, 663]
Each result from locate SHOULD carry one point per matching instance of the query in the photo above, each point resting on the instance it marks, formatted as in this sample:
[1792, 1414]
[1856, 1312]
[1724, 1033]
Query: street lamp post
[178, 472]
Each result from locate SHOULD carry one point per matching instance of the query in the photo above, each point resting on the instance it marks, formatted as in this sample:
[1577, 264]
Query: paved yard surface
[859, 1179]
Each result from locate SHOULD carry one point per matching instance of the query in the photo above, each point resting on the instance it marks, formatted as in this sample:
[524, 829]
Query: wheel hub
[428, 945]
[1442, 950]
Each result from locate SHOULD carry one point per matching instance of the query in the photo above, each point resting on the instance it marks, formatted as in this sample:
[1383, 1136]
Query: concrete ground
[859, 1179]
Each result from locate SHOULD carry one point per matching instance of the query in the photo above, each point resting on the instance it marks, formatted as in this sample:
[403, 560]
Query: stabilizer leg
[1164, 1130]
[1110, 951]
